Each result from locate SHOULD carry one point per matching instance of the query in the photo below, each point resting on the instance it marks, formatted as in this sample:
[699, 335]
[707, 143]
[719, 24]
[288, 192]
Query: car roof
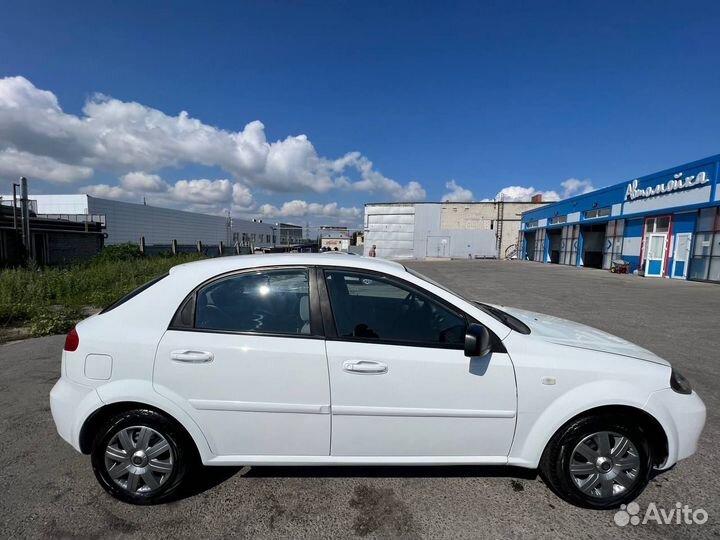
[220, 265]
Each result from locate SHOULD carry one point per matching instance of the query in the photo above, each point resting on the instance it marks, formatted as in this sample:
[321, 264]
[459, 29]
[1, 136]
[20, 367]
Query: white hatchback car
[309, 359]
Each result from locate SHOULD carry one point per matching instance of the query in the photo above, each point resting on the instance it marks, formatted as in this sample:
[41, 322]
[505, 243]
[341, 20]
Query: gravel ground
[47, 490]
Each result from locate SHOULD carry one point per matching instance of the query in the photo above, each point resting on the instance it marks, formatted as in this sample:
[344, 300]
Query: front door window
[372, 308]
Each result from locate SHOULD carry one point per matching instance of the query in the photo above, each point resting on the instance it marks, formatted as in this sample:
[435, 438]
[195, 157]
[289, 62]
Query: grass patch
[50, 299]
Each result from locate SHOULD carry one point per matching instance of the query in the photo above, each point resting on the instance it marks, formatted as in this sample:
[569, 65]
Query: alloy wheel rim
[605, 464]
[139, 459]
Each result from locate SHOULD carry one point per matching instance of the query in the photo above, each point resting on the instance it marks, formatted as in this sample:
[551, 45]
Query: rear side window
[273, 301]
[134, 293]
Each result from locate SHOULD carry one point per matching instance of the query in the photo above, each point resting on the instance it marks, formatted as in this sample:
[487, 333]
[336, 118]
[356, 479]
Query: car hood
[572, 334]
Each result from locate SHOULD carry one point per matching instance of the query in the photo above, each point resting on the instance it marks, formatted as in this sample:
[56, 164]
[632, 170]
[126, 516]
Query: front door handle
[364, 366]
[192, 357]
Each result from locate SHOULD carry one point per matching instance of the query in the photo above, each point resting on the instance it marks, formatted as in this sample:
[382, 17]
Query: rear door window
[272, 301]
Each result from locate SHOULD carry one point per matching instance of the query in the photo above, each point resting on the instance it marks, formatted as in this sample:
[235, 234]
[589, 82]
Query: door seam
[327, 367]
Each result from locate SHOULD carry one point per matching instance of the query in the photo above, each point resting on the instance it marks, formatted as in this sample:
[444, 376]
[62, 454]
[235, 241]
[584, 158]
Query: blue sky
[396, 99]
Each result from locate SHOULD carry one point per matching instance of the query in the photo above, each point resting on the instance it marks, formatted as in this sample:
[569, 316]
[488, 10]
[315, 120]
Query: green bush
[14, 313]
[30, 294]
[119, 252]
[51, 322]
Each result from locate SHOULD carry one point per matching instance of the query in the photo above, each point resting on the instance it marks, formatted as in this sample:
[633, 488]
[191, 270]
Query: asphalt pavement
[47, 490]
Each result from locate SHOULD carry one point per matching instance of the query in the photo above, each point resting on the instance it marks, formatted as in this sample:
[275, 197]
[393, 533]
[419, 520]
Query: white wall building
[334, 240]
[444, 230]
[128, 222]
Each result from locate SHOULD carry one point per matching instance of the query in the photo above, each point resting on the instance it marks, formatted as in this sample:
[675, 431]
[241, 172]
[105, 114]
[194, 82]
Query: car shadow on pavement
[206, 478]
[389, 471]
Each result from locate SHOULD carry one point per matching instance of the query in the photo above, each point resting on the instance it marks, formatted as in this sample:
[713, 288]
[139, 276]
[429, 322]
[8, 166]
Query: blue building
[665, 224]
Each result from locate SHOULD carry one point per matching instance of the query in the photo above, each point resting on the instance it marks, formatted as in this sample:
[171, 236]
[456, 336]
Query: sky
[304, 111]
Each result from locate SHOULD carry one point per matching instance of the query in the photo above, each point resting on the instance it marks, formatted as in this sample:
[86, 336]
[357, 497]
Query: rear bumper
[71, 404]
[682, 417]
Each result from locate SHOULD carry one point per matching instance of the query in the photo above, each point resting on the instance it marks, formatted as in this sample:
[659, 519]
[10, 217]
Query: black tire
[181, 453]
[555, 462]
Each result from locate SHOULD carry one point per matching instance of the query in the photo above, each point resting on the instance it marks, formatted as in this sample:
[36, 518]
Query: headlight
[679, 383]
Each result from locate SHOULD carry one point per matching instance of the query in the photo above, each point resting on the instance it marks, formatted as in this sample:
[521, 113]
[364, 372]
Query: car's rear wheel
[141, 457]
[598, 462]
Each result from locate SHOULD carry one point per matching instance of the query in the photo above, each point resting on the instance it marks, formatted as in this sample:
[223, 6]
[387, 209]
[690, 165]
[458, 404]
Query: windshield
[496, 313]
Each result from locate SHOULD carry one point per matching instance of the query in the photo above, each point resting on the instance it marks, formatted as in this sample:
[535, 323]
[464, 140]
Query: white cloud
[242, 197]
[202, 191]
[215, 196]
[144, 182]
[300, 208]
[125, 137]
[457, 193]
[105, 191]
[374, 182]
[570, 188]
[524, 194]
[574, 186]
[15, 163]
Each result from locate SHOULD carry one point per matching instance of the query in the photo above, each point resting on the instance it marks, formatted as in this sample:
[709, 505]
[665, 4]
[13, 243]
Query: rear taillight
[72, 341]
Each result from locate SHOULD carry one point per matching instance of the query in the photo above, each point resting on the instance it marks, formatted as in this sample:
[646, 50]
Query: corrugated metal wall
[127, 222]
[391, 229]
[405, 231]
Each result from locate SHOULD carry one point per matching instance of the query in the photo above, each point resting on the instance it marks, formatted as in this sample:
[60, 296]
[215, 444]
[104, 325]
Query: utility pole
[15, 224]
[499, 226]
[25, 214]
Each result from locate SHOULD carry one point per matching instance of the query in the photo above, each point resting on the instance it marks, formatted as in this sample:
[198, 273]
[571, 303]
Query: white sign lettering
[676, 184]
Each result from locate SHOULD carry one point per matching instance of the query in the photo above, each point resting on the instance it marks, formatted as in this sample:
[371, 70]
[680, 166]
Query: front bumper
[682, 416]
[71, 403]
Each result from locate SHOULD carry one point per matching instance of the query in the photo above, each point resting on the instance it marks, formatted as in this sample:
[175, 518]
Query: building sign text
[677, 183]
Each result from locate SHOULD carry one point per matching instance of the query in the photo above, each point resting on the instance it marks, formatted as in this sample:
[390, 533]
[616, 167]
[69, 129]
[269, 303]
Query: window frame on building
[706, 240]
[603, 212]
[569, 242]
[615, 235]
[539, 247]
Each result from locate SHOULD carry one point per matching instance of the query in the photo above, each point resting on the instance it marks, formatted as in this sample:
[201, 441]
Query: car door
[245, 356]
[400, 382]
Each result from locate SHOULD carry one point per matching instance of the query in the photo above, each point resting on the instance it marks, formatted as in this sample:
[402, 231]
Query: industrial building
[46, 240]
[289, 234]
[334, 239]
[444, 229]
[130, 222]
[665, 224]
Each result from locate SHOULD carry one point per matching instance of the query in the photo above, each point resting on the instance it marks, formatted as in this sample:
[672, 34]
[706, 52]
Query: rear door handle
[192, 357]
[364, 366]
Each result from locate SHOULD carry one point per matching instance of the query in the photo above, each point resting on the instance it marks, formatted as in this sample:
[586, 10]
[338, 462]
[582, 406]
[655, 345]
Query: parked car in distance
[301, 359]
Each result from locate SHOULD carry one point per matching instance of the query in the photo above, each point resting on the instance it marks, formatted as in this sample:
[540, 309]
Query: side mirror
[477, 340]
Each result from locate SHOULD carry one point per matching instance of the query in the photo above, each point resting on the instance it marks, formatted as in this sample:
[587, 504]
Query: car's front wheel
[141, 457]
[598, 462]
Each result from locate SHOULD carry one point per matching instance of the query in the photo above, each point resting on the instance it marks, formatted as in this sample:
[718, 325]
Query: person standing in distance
[372, 252]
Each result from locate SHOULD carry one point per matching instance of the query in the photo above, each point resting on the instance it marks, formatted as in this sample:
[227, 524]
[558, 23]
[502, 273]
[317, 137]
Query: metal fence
[76, 218]
[32, 204]
[212, 250]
